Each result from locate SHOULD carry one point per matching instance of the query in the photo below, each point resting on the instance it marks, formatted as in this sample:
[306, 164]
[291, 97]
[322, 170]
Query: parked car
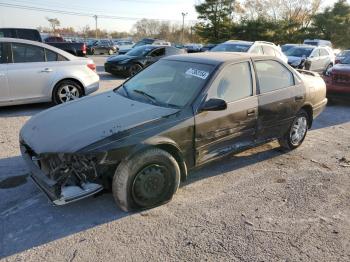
[124, 44]
[342, 55]
[338, 79]
[175, 115]
[208, 47]
[33, 72]
[76, 49]
[22, 33]
[137, 59]
[258, 47]
[144, 41]
[314, 58]
[101, 47]
[193, 48]
[318, 42]
[286, 47]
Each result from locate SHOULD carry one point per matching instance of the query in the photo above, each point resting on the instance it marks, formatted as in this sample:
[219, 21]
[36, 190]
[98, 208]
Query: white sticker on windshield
[197, 73]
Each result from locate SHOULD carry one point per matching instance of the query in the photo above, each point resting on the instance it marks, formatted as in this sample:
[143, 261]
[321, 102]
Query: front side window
[23, 53]
[273, 76]
[257, 50]
[324, 52]
[233, 83]
[316, 53]
[299, 51]
[167, 83]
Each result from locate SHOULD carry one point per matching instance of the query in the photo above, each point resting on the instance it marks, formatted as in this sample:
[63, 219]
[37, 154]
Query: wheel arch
[55, 86]
[309, 110]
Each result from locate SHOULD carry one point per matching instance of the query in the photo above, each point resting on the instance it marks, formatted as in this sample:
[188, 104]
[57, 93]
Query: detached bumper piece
[59, 195]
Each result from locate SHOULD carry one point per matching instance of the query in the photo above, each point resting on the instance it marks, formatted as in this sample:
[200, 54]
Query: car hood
[119, 58]
[294, 59]
[70, 127]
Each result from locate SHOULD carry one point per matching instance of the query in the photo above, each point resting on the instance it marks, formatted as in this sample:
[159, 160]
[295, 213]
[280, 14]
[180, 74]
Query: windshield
[285, 48]
[140, 51]
[299, 51]
[167, 83]
[311, 43]
[344, 53]
[231, 48]
[346, 60]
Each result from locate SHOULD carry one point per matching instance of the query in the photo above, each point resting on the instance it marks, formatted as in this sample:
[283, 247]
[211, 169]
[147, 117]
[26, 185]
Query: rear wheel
[297, 132]
[148, 179]
[66, 91]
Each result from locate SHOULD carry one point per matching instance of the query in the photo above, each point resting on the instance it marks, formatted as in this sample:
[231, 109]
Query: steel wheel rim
[151, 185]
[298, 130]
[68, 93]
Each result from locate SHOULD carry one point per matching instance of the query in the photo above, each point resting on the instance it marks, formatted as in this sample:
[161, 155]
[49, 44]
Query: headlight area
[76, 176]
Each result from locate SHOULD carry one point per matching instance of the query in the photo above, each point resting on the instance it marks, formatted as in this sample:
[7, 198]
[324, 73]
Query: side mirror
[214, 104]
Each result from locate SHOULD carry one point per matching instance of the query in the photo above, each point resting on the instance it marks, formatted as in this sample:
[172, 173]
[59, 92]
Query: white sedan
[33, 72]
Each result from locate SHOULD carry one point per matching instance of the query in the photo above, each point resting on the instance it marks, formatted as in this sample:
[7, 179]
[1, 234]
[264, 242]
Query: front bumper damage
[62, 183]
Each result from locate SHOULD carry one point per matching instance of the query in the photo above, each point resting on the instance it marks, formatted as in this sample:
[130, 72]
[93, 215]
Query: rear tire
[148, 179]
[297, 132]
[65, 91]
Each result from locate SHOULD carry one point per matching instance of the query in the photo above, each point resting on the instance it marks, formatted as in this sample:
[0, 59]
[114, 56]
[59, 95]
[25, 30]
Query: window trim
[220, 71]
[258, 91]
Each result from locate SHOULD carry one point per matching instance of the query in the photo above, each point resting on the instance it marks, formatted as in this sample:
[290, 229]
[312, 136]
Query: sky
[130, 10]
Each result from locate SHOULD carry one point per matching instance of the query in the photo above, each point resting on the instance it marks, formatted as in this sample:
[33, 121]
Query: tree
[216, 19]
[334, 24]
[54, 23]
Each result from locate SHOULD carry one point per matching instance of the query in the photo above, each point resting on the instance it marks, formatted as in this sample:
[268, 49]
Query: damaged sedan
[177, 114]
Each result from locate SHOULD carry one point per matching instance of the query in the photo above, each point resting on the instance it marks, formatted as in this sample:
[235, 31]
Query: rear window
[28, 34]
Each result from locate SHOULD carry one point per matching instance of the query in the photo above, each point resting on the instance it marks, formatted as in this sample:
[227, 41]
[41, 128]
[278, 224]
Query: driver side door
[218, 133]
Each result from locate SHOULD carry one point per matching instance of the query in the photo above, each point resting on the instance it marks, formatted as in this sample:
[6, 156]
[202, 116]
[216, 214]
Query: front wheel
[148, 179]
[297, 132]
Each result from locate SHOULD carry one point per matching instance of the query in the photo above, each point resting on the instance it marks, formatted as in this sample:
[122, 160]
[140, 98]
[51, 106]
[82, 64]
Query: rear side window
[23, 53]
[273, 76]
[158, 52]
[268, 50]
[52, 56]
[233, 83]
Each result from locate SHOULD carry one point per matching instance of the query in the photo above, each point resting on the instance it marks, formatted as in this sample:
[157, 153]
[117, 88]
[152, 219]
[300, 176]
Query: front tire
[297, 132]
[148, 179]
[66, 91]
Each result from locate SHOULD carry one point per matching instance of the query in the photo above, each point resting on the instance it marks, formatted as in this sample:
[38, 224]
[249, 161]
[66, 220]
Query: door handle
[298, 98]
[46, 70]
[251, 112]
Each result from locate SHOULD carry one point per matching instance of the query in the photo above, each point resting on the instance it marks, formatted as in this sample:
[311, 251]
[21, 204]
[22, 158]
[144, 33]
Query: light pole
[95, 16]
[183, 26]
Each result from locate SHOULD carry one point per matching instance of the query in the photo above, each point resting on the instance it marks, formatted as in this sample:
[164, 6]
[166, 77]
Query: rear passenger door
[221, 132]
[280, 97]
[29, 77]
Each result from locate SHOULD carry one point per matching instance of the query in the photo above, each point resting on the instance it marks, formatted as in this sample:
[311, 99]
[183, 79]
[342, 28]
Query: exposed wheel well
[70, 79]
[174, 151]
[309, 111]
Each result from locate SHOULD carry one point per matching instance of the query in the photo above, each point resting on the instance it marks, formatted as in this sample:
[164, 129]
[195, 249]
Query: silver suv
[257, 47]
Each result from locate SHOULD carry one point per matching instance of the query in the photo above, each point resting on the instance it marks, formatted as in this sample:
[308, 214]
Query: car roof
[213, 58]
[29, 42]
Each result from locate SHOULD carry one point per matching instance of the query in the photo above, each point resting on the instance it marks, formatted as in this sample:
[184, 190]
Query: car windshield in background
[344, 53]
[285, 48]
[311, 43]
[140, 51]
[299, 51]
[231, 48]
[167, 83]
[346, 60]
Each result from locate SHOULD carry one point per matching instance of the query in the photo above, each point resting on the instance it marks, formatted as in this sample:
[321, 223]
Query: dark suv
[22, 33]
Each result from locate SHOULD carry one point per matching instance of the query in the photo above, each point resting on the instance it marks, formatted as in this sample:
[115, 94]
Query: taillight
[92, 66]
[84, 49]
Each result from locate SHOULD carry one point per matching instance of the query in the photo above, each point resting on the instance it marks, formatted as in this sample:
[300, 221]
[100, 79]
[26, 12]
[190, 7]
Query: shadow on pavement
[29, 220]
